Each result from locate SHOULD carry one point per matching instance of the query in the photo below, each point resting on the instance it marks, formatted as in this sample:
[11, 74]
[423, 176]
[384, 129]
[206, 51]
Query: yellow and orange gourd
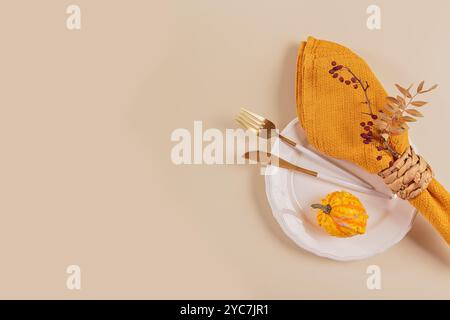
[342, 215]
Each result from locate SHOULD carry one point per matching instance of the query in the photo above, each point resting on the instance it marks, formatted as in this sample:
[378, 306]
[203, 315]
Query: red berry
[370, 123]
[341, 79]
[355, 86]
[367, 128]
[333, 63]
[335, 75]
[331, 71]
[379, 158]
[366, 141]
[374, 117]
[353, 79]
[363, 135]
[347, 82]
[363, 124]
[380, 148]
[339, 67]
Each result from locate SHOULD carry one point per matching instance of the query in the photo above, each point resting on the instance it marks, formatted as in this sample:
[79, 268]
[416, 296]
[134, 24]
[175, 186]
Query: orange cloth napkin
[330, 111]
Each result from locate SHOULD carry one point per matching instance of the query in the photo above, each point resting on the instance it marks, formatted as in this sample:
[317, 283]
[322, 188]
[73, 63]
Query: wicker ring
[408, 176]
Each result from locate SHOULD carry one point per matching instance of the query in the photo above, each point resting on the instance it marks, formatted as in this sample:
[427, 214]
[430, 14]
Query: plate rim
[323, 254]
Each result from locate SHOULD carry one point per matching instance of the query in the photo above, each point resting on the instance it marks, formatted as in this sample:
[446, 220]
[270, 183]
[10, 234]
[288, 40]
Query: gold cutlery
[267, 158]
[266, 129]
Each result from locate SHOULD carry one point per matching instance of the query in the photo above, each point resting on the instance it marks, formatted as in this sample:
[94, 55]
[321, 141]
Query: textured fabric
[331, 112]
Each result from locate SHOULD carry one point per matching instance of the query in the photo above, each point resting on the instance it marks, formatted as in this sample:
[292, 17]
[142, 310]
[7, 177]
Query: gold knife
[267, 158]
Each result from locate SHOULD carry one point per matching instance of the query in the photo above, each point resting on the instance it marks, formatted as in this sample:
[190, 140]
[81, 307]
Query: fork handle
[315, 156]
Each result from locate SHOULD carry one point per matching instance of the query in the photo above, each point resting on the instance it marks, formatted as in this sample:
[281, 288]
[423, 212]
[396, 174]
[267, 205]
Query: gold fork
[266, 129]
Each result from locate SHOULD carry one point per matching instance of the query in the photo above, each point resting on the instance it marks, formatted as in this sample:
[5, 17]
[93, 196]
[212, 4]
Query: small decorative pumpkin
[342, 215]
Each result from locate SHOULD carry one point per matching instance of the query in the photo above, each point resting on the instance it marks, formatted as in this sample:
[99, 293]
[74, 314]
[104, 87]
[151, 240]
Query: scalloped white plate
[291, 194]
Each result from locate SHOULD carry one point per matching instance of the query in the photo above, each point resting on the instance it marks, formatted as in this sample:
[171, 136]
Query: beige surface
[86, 179]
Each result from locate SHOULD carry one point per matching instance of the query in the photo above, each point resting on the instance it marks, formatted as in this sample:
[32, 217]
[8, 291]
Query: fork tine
[238, 119]
[248, 115]
[256, 123]
[248, 124]
[254, 115]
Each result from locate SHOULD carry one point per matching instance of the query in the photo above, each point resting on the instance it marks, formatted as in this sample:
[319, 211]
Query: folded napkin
[331, 110]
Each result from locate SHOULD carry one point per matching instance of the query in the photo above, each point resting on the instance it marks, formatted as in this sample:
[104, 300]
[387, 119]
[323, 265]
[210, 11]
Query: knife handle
[317, 157]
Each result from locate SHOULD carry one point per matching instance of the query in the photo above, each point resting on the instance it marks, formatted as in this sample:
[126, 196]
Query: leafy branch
[400, 111]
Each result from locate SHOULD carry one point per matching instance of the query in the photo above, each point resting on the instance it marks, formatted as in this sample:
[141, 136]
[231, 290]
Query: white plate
[291, 194]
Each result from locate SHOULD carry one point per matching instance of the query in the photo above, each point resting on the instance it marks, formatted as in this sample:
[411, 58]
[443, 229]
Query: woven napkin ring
[408, 176]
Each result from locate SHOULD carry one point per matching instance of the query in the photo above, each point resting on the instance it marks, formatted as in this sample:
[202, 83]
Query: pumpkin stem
[326, 209]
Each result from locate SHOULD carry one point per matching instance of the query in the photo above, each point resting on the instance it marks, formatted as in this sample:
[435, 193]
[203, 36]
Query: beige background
[85, 124]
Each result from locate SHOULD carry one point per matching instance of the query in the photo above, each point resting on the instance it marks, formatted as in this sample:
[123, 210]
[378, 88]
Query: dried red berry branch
[336, 72]
[370, 135]
[389, 123]
[364, 87]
